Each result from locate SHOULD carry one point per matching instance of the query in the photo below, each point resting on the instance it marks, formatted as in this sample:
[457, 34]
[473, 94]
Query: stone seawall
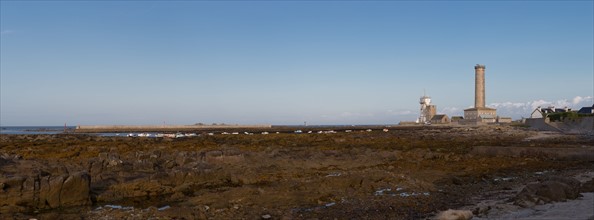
[541, 124]
[583, 125]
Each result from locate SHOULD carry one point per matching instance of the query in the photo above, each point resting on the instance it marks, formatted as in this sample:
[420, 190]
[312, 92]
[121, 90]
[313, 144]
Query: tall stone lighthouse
[479, 86]
[480, 113]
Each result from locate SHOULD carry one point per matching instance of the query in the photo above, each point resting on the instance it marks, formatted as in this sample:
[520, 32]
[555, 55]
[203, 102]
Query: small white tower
[425, 103]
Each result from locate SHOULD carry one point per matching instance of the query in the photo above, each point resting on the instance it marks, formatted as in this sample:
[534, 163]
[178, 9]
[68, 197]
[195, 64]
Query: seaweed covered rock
[27, 185]
[554, 189]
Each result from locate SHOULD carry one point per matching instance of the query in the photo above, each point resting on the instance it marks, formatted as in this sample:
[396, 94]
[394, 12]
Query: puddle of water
[333, 174]
[164, 208]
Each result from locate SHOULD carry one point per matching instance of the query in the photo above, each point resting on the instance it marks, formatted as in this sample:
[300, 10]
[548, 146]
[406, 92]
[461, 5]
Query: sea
[35, 129]
[58, 130]
[70, 129]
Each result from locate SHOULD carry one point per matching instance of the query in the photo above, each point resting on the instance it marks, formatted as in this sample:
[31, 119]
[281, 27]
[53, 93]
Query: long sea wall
[584, 125]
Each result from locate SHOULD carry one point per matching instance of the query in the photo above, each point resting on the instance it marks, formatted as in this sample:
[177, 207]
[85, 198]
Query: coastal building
[586, 110]
[502, 120]
[543, 112]
[428, 114]
[456, 119]
[427, 110]
[537, 113]
[440, 119]
[480, 113]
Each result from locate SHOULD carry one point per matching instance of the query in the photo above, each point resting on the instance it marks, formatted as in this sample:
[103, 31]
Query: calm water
[34, 129]
[54, 130]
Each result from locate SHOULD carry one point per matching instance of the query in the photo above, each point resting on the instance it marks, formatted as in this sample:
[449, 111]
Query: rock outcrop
[25, 186]
[401, 174]
[588, 186]
[554, 189]
[451, 214]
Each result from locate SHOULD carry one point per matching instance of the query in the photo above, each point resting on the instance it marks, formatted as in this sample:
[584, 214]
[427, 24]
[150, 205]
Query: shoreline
[209, 128]
[501, 207]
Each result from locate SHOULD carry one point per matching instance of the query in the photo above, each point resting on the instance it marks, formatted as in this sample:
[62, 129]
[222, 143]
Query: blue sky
[263, 62]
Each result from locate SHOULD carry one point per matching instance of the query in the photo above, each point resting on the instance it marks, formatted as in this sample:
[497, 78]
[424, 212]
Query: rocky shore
[400, 174]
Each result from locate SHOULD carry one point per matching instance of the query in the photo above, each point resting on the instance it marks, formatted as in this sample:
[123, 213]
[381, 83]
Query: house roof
[549, 110]
[586, 110]
[439, 117]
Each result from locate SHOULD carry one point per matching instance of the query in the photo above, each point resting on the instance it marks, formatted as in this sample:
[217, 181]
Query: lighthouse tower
[479, 86]
[480, 113]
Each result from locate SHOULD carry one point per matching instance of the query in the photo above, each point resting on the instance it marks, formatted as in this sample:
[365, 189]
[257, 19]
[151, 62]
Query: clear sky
[264, 62]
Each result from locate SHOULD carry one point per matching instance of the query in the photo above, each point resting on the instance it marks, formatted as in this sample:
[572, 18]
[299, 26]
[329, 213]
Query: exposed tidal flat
[404, 173]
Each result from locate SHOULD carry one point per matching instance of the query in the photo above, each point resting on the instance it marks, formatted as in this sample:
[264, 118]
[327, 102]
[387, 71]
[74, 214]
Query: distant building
[456, 119]
[543, 112]
[407, 123]
[428, 114]
[440, 119]
[427, 110]
[432, 110]
[502, 120]
[537, 113]
[480, 113]
[586, 110]
[552, 109]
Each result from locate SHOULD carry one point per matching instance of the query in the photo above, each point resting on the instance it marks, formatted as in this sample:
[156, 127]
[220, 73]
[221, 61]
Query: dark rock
[54, 190]
[588, 186]
[36, 189]
[75, 190]
[4, 161]
[46, 200]
[554, 189]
